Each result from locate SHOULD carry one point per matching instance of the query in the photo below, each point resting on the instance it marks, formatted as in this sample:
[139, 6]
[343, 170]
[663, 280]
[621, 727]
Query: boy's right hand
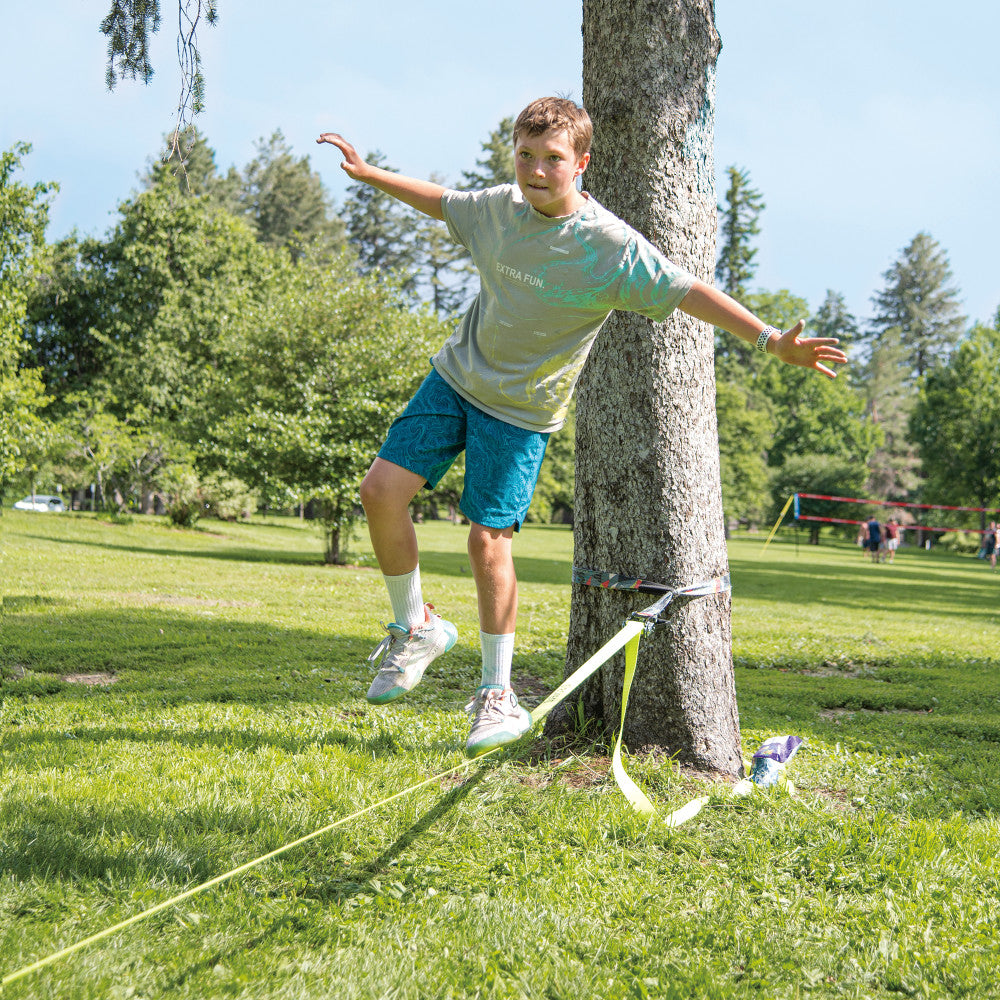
[353, 165]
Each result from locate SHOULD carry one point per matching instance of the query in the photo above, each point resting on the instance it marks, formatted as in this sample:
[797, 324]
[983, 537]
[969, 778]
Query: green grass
[236, 723]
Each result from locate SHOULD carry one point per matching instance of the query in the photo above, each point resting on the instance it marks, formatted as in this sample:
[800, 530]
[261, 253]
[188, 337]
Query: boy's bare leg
[417, 636]
[496, 584]
[386, 492]
[497, 716]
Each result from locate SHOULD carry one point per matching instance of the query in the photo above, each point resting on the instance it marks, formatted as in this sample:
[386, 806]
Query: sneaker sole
[499, 740]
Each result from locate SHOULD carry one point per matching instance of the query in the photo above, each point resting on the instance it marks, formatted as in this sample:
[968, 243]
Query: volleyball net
[934, 518]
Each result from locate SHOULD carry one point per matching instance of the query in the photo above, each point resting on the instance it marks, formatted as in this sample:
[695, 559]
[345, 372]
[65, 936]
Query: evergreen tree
[381, 230]
[187, 163]
[735, 267]
[893, 471]
[445, 272]
[449, 278]
[286, 201]
[834, 319]
[916, 324]
[281, 197]
[746, 417]
[919, 302]
[496, 165]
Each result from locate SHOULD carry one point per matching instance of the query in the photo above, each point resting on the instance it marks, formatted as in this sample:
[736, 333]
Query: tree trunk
[648, 496]
[332, 554]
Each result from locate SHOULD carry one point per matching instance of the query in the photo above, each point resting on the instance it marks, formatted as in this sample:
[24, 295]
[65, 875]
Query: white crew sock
[406, 598]
[498, 652]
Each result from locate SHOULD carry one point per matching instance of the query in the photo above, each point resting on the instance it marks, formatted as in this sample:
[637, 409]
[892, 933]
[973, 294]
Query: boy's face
[547, 167]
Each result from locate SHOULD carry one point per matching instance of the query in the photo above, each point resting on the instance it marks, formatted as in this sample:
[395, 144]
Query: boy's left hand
[808, 352]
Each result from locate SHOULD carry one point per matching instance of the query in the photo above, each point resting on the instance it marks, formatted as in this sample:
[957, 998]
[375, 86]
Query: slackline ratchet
[628, 638]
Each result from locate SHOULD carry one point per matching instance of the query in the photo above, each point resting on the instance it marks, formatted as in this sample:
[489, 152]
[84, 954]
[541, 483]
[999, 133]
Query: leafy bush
[184, 501]
[228, 498]
[961, 541]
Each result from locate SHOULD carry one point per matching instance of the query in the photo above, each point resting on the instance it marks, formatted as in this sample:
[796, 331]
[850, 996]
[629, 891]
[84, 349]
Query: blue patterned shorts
[501, 461]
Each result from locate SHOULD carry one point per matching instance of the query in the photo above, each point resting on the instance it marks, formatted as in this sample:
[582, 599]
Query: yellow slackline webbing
[628, 637]
[187, 894]
[781, 516]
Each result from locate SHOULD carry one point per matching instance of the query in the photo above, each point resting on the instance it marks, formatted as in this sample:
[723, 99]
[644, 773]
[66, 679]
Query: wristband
[765, 336]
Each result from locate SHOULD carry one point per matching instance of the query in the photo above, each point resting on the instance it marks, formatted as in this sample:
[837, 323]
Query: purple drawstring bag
[771, 757]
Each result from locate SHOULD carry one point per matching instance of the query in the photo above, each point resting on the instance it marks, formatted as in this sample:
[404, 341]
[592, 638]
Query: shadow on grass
[18, 602]
[337, 888]
[529, 569]
[48, 842]
[158, 656]
[162, 658]
[241, 553]
[939, 588]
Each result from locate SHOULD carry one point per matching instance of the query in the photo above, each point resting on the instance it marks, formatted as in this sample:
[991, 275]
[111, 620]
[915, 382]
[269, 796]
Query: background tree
[170, 280]
[812, 416]
[920, 303]
[746, 426]
[23, 217]
[287, 202]
[745, 415]
[188, 162]
[739, 223]
[956, 424]
[282, 198]
[647, 489]
[495, 165]
[380, 229]
[323, 361]
[445, 275]
[834, 319]
[917, 322]
[894, 469]
[64, 308]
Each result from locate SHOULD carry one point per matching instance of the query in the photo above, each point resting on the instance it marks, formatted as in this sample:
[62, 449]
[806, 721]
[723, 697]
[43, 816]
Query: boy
[553, 264]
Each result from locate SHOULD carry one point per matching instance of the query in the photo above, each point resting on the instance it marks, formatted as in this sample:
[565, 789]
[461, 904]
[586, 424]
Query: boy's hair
[556, 113]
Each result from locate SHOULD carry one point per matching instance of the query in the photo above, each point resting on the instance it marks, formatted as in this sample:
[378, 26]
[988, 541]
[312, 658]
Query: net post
[784, 510]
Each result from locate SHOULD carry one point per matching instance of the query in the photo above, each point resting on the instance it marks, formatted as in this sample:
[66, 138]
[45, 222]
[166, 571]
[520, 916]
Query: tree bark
[648, 497]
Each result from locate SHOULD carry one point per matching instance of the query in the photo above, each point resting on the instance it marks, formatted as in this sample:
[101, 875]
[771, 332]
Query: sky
[861, 123]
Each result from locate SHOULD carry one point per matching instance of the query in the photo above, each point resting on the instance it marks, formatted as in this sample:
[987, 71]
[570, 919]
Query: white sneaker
[404, 654]
[497, 719]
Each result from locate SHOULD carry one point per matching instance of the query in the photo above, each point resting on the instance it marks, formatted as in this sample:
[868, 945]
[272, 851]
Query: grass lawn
[176, 703]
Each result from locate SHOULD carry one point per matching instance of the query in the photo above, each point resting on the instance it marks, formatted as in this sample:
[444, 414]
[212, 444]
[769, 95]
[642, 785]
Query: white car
[40, 501]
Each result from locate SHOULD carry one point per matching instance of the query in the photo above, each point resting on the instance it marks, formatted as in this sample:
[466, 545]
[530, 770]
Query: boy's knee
[388, 486]
[488, 544]
[371, 490]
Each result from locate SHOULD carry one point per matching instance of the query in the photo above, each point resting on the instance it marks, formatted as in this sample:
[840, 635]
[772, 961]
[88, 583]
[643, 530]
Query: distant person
[862, 540]
[874, 538]
[990, 544]
[891, 538]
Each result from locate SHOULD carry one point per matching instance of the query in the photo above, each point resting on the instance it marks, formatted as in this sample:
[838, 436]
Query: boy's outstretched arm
[716, 307]
[424, 196]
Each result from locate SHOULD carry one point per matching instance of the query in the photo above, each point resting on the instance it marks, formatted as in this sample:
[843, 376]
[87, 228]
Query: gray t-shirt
[546, 288]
